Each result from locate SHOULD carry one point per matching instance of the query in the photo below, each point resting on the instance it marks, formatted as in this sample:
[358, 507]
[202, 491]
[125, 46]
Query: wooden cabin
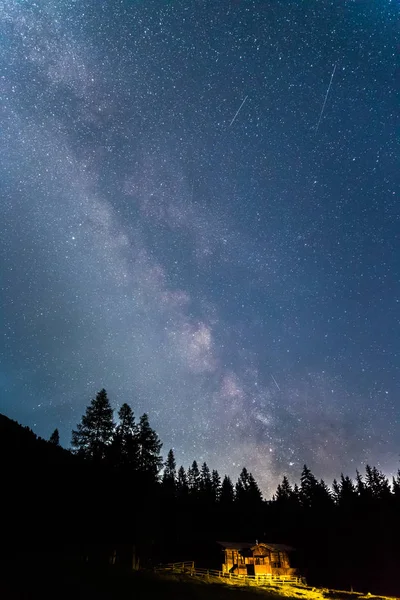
[246, 558]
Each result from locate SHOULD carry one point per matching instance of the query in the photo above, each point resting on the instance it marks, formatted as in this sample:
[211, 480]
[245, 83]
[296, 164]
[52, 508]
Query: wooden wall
[264, 561]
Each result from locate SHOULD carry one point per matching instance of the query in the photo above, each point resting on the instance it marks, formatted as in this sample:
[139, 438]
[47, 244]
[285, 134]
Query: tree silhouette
[215, 485]
[182, 487]
[227, 494]
[194, 479]
[361, 488]
[287, 499]
[55, 438]
[308, 487]
[125, 446]
[396, 485]
[169, 474]
[94, 433]
[376, 483]
[206, 483]
[314, 494]
[247, 490]
[149, 459]
[344, 492]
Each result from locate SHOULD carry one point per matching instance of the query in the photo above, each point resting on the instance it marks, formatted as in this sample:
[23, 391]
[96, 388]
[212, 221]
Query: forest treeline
[113, 489]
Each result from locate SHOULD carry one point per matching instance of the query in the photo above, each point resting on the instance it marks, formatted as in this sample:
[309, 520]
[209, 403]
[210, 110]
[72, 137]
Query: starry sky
[199, 212]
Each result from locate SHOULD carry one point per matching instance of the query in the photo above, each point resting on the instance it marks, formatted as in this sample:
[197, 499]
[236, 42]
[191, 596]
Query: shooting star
[275, 382]
[326, 98]
[237, 112]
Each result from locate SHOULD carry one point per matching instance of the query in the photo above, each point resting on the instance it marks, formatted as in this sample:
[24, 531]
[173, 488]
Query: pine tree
[284, 491]
[313, 493]
[335, 491]
[254, 492]
[55, 438]
[94, 433]
[241, 486]
[182, 487]
[169, 474]
[361, 490]
[324, 494]
[247, 490]
[377, 483]
[239, 491]
[205, 482]
[345, 492]
[396, 486]
[227, 495]
[125, 447]
[308, 486]
[194, 479]
[215, 485]
[296, 495]
[149, 459]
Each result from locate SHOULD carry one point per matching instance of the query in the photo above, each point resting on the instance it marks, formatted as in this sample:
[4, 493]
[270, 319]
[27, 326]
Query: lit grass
[84, 581]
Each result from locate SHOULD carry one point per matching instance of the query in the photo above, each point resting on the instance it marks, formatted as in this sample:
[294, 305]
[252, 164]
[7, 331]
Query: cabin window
[259, 560]
[275, 560]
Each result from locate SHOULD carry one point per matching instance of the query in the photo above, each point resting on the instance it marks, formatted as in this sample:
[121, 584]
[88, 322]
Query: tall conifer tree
[94, 433]
[149, 459]
[169, 474]
[55, 438]
[126, 439]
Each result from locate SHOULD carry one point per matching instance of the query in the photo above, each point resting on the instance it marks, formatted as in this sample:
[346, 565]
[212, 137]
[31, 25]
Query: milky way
[235, 274]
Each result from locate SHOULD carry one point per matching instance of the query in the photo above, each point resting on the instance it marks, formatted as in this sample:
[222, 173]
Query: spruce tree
[396, 486]
[215, 485]
[347, 494]
[94, 433]
[125, 447]
[194, 479]
[254, 493]
[308, 488]
[284, 491]
[182, 487]
[55, 438]
[247, 490]
[149, 459]
[376, 483]
[227, 494]
[169, 474]
[314, 494]
[205, 482]
[361, 489]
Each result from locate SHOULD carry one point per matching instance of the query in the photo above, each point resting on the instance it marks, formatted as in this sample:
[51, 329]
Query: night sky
[199, 212]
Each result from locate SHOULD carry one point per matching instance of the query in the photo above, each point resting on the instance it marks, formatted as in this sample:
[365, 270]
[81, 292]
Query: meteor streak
[326, 97]
[237, 112]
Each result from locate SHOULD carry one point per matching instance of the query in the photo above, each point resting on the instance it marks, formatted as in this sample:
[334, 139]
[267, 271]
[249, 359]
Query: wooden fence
[189, 568]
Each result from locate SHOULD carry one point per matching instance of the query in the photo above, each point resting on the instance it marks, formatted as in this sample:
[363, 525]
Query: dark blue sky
[199, 209]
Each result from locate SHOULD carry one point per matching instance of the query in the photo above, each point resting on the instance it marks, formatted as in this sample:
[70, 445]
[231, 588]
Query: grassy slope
[81, 581]
[25, 582]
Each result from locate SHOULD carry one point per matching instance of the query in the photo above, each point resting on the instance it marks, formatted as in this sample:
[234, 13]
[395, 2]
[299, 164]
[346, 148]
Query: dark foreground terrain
[63, 513]
[72, 581]
[41, 577]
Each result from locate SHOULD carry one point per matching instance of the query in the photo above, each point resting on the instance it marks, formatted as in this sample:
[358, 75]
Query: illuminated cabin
[246, 558]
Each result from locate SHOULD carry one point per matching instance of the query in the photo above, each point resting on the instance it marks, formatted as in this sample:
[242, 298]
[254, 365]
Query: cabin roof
[236, 545]
[275, 547]
[252, 545]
